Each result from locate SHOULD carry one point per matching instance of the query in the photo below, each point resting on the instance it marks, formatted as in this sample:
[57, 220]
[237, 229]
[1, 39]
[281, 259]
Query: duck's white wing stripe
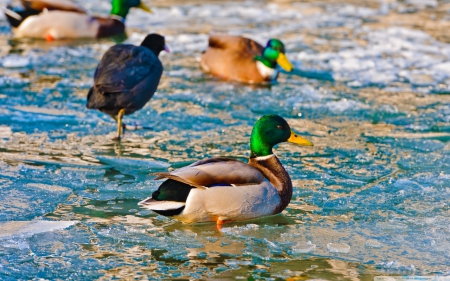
[161, 205]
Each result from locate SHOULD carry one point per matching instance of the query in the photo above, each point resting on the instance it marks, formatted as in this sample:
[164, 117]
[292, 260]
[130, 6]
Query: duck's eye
[280, 127]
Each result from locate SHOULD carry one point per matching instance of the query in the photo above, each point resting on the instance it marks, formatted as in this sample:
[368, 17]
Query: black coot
[126, 78]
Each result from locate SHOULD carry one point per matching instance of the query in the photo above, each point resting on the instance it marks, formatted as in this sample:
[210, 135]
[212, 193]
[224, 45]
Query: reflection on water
[371, 198]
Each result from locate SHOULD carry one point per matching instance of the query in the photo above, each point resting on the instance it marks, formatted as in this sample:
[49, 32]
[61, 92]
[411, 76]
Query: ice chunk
[303, 247]
[51, 188]
[338, 204]
[12, 81]
[15, 61]
[338, 247]
[394, 264]
[372, 243]
[29, 228]
[96, 172]
[133, 162]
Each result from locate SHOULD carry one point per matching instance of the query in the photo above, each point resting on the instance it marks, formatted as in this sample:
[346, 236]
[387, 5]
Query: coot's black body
[127, 77]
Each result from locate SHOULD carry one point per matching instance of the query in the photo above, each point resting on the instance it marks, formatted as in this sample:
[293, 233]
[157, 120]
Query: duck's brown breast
[273, 170]
[109, 27]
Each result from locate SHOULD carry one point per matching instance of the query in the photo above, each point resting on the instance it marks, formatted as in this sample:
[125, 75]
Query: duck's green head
[122, 7]
[273, 54]
[270, 130]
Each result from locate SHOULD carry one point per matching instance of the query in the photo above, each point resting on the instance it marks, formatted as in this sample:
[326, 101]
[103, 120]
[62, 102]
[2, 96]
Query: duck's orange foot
[221, 222]
[49, 37]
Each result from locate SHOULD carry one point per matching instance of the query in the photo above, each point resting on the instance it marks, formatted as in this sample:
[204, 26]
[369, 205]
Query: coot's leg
[120, 127]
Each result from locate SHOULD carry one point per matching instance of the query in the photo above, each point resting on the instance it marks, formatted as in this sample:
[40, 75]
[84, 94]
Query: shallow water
[371, 90]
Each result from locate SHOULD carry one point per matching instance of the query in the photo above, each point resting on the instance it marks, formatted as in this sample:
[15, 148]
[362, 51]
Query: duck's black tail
[169, 199]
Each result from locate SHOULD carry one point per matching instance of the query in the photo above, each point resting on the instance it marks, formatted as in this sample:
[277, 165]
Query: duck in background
[221, 189]
[53, 19]
[244, 60]
[126, 78]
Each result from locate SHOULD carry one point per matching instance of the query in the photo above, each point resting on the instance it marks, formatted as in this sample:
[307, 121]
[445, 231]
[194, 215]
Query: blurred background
[370, 89]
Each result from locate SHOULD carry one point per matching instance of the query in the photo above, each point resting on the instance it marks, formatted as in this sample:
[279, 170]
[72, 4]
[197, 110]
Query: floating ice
[372, 94]
[303, 248]
[372, 243]
[12, 81]
[390, 55]
[338, 247]
[12, 61]
[133, 162]
[25, 229]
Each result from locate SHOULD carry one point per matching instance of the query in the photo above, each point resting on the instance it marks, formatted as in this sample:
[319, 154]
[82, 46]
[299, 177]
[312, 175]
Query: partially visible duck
[221, 189]
[126, 78]
[52, 19]
[241, 59]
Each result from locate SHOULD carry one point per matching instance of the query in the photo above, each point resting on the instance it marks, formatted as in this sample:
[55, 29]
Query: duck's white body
[231, 203]
[58, 25]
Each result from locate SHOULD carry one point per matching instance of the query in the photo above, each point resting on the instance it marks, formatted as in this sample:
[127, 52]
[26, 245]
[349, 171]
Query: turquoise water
[370, 198]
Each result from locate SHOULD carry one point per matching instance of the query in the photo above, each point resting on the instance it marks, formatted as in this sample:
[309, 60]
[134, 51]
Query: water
[371, 198]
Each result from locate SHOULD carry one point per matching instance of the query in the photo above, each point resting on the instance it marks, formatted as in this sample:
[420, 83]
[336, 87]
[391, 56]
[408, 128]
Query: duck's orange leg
[220, 222]
[49, 37]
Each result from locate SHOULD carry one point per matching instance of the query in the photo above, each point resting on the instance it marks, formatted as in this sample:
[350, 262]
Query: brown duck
[56, 19]
[244, 60]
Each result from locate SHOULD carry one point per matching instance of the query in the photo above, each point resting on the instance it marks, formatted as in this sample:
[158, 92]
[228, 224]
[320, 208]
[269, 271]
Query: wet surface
[370, 198]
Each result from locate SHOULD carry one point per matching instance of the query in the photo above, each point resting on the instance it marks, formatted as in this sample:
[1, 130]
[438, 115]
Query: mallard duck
[221, 189]
[126, 78]
[244, 60]
[52, 19]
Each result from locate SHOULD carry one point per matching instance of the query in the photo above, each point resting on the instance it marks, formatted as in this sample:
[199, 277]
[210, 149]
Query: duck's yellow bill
[145, 8]
[284, 62]
[294, 138]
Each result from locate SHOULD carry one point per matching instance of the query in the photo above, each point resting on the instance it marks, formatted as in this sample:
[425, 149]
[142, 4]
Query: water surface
[370, 89]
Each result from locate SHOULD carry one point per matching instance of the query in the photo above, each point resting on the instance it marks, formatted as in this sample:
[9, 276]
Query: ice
[396, 265]
[362, 66]
[187, 42]
[338, 248]
[372, 243]
[12, 81]
[303, 248]
[239, 230]
[26, 200]
[24, 229]
[69, 171]
[369, 88]
[340, 204]
[425, 162]
[423, 3]
[15, 61]
[133, 162]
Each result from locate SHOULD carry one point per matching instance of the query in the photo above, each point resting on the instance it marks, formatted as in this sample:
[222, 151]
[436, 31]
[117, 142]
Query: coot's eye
[280, 127]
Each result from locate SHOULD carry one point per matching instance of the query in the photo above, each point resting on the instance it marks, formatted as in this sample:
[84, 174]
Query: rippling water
[371, 90]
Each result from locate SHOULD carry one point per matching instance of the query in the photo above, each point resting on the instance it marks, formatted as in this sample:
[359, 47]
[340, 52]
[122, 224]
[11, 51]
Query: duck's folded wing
[216, 172]
[235, 43]
[62, 5]
[123, 67]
